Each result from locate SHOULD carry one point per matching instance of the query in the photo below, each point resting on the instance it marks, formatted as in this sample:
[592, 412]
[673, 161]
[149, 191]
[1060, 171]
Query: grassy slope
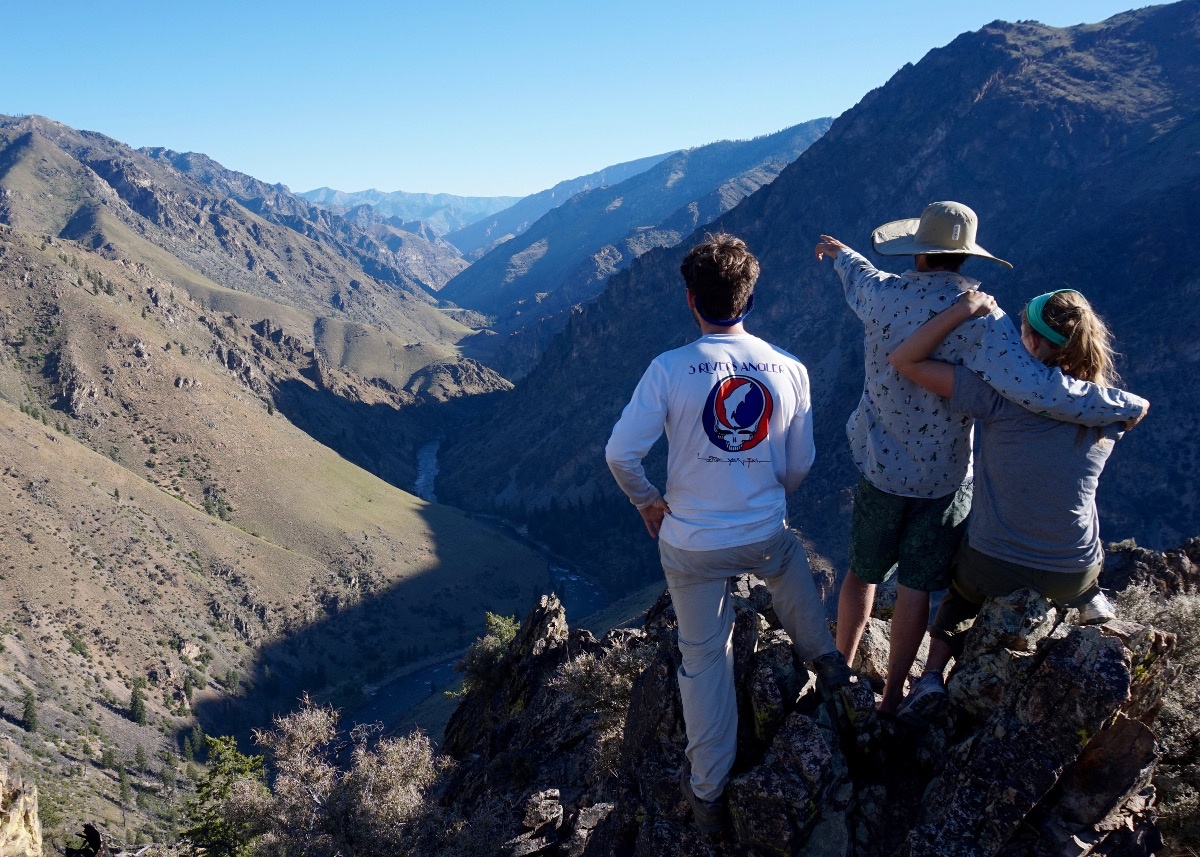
[105, 539]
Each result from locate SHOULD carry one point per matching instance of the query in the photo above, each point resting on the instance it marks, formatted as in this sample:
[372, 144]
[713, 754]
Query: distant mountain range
[482, 235]
[441, 212]
[1078, 148]
[529, 284]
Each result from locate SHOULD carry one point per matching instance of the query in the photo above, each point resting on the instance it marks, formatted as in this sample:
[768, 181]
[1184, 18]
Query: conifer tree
[137, 702]
[29, 717]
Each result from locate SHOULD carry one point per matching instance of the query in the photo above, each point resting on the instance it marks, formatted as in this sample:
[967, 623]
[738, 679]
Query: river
[391, 700]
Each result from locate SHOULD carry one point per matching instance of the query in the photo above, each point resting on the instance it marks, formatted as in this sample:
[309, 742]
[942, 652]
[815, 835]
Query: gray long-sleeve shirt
[906, 440]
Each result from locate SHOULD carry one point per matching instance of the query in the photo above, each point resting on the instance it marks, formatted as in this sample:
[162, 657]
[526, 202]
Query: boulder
[1046, 745]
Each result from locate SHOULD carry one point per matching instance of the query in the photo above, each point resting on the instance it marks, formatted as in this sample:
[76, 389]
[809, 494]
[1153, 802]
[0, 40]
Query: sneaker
[709, 814]
[925, 697]
[1097, 611]
[832, 671]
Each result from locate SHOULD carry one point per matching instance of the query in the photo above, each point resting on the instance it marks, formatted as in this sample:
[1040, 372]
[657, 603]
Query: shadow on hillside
[374, 657]
[378, 438]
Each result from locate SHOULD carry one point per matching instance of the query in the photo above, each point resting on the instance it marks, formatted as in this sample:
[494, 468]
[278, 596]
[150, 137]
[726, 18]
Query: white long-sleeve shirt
[738, 417]
[906, 440]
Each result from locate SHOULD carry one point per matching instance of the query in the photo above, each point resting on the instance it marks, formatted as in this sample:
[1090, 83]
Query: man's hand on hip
[653, 516]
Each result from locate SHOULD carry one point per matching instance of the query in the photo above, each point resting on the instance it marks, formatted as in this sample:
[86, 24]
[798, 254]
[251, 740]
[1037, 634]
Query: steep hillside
[433, 259]
[574, 246]
[480, 237]
[1078, 148]
[397, 260]
[519, 342]
[169, 525]
[233, 243]
[442, 212]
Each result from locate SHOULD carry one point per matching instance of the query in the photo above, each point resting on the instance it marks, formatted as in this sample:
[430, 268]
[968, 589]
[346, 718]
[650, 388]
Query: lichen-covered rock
[775, 805]
[1045, 747]
[999, 649]
[1071, 689]
[774, 684]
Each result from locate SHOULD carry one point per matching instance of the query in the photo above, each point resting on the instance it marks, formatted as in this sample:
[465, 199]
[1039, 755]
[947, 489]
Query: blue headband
[1033, 315]
[728, 322]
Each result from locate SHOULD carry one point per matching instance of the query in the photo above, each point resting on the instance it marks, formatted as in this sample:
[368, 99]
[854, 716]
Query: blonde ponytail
[1087, 353]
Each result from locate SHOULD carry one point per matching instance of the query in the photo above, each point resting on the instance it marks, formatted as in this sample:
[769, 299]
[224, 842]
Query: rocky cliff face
[1045, 748]
[20, 828]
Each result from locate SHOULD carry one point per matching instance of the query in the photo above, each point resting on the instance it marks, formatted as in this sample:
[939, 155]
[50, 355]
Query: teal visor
[1033, 315]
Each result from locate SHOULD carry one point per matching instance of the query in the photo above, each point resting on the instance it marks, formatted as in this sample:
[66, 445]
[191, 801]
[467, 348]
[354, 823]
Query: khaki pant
[699, 584]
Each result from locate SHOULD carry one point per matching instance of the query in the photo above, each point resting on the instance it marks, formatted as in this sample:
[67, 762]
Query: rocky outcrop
[1045, 747]
[20, 829]
[1170, 572]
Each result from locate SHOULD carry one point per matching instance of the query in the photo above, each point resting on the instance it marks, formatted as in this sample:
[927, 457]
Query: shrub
[1177, 778]
[230, 804]
[481, 663]
[603, 685]
[375, 808]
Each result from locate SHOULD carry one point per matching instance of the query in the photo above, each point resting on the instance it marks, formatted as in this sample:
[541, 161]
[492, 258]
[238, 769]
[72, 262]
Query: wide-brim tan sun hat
[943, 227]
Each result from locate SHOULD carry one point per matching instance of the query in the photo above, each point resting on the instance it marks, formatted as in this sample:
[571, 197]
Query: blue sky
[471, 98]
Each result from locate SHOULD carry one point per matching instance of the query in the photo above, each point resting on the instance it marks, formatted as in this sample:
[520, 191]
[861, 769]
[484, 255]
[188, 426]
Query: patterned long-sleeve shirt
[906, 440]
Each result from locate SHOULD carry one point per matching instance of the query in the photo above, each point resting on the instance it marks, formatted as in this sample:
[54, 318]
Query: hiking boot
[923, 700]
[1097, 611]
[832, 671]
[709, 814]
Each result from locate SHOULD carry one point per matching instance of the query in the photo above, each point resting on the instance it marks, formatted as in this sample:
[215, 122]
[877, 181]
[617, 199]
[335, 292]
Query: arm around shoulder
[1001, 359]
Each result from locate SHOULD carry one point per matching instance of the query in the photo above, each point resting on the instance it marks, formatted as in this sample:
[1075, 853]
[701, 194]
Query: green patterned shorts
[920, 536]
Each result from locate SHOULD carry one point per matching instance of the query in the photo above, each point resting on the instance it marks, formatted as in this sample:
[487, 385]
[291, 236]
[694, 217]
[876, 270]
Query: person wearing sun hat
[912, 451]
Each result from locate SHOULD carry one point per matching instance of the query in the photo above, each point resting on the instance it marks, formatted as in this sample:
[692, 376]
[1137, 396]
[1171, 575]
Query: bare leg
[939, 656]
[854, 608]
[908, 628]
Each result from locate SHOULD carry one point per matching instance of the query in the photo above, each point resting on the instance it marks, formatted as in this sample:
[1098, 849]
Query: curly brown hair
[720, 273]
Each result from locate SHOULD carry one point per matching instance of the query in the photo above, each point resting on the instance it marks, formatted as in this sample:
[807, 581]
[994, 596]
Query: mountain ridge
[477, 239]
[1049, 176]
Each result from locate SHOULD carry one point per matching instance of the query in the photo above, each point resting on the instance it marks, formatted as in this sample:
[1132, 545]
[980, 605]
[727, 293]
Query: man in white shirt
[738, 418]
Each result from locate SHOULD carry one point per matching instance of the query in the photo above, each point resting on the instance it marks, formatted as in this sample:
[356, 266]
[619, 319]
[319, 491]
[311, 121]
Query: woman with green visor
[1033, 519]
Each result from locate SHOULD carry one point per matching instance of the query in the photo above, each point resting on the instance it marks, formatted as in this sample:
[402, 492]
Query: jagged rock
[583, 825]
[543, 809]
[774, 684]
[752, 593]
[1170, 572]
[20, 828]
[1060, 713]
[871, 660]
[999, 649]
[775, 805]
[1053, 757]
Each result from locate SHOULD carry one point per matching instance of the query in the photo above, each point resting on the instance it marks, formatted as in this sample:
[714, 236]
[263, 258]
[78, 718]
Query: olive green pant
[978, 576]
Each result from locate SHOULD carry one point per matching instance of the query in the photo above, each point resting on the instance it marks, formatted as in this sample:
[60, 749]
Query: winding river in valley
[389, 701]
